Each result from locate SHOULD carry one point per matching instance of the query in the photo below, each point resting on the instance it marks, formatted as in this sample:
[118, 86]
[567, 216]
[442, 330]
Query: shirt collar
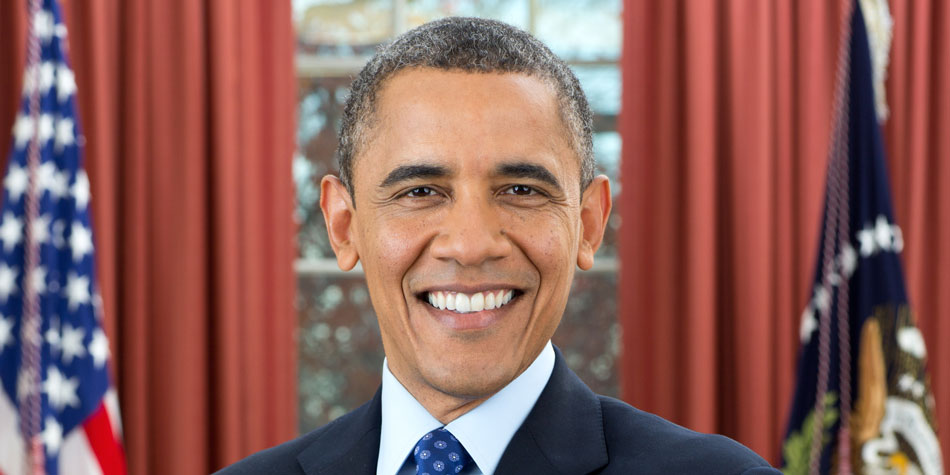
[485, 431]
[404, 422]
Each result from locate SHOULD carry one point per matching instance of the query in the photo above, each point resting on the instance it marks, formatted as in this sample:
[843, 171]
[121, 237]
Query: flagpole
[31, 413]
[837, 235]
[841, 280]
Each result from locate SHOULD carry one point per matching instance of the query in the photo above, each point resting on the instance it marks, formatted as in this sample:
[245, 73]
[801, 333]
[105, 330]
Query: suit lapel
[348, 445]
[564, 432]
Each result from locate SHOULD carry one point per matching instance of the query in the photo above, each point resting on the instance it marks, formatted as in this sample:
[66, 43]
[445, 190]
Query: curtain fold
[917, 142]
[725, 121]
[188, 113]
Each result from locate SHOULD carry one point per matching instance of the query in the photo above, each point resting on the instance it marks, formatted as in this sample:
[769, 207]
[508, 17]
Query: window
[338, 337]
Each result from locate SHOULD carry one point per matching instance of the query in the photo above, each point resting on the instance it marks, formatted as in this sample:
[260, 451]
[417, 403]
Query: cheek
[388, 247]
[550, 245]
[549, 240]
[391, 245]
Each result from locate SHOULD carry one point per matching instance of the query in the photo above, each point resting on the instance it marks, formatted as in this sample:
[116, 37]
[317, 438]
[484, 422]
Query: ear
[337, 206]
[595, 209]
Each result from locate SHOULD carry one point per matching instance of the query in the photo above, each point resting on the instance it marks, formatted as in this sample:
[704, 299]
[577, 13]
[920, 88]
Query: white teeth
[464, 303]
[478, 302]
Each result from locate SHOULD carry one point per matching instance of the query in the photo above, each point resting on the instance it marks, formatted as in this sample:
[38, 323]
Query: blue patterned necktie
[439, 452]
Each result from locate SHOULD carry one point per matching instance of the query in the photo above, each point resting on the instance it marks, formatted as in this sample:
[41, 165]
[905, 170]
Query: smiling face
[468, 220]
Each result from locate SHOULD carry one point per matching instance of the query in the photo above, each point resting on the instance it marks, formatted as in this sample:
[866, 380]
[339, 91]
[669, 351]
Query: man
[467, 191]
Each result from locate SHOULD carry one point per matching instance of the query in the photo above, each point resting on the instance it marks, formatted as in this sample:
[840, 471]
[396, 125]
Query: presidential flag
[58, 410]
[862, 402]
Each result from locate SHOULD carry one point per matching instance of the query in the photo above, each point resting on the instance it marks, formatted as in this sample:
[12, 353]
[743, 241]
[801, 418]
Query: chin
[469, 381]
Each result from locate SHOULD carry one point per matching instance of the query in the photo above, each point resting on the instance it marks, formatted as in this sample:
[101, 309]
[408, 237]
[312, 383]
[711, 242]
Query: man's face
[468, 223]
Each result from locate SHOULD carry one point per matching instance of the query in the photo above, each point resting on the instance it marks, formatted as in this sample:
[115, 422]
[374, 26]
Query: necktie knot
[439, 452]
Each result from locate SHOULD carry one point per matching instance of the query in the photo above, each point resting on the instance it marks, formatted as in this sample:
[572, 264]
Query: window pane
[514, 12]
[341, 27]
[580, 30]
[319, 113]
[340, 350]
[601, 85]
[589, 335]
[607, 153]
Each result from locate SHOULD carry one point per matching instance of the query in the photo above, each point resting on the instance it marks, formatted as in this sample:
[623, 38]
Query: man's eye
[420, 192]
[522, 190]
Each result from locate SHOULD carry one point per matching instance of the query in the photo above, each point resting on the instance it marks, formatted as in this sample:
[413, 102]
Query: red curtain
[188, 113]
[726, 112]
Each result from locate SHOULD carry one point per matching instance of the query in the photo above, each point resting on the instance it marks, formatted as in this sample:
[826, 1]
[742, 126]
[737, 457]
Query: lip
[468, 289]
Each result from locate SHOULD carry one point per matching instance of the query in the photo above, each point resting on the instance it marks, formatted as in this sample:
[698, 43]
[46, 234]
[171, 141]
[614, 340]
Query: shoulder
[326, 443]
[280, 459]
[652, 444]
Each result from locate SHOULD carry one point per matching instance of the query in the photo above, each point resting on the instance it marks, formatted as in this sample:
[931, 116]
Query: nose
[471, 233]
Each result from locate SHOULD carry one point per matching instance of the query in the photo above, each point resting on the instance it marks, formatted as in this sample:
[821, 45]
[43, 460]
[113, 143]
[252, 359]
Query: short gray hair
[473, 45]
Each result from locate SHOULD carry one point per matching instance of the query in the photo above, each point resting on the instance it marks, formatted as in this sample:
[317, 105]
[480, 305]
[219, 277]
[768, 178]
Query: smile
[460, 302]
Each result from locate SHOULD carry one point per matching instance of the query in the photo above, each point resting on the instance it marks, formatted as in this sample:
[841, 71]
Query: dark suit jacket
[570, 430]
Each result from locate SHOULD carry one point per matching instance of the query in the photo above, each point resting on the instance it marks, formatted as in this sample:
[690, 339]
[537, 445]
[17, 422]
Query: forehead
[464, 118]
[442, 85]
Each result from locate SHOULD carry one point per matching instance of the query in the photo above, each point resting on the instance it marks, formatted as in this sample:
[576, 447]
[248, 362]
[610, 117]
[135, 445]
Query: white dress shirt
[485, 431]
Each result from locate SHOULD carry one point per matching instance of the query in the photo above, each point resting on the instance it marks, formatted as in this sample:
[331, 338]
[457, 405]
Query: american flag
[58, 409]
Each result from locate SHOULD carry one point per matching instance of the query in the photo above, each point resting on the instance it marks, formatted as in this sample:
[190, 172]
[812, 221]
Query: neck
[447, 408]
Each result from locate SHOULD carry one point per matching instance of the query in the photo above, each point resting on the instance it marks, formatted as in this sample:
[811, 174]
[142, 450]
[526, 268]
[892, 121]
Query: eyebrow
[512, 170]
[412, 172]
[528, 170]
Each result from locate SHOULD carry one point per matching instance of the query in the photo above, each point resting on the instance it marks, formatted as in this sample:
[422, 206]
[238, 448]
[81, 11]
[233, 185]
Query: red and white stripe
[93, 448]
